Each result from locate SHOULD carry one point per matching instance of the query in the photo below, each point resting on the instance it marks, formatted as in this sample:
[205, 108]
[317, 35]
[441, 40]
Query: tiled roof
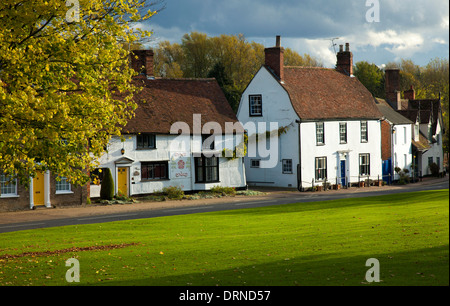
[422, 145]
[411, 114]
[390, 114]
[427, 108]
[162, 102]
[320, 93]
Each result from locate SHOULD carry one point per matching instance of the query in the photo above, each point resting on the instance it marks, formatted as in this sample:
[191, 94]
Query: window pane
[320, 133]
[154, 171]
[7, 185]
[364, 134]
[146, 141]
[343, 132]
[255, 105]
[364, 164]
[321, 168]
[62, 185]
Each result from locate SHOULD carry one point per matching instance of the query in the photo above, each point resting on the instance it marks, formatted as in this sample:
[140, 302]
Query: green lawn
[321, 243]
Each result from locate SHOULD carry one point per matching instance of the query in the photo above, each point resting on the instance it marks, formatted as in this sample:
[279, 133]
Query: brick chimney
[345, 60]
[274, 59]
[410, 94]
[392, 86]
[142, 62]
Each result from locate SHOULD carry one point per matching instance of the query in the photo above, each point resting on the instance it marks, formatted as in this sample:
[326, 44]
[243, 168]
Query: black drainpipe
[299, 166]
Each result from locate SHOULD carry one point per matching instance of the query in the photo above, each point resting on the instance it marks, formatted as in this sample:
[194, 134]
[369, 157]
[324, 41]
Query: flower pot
[361, 184]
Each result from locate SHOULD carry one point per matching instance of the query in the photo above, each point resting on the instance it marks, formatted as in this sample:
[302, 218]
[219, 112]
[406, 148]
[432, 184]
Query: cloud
[407, 28]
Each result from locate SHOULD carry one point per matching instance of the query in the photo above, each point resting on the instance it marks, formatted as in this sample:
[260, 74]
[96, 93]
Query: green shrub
[173, 193]
[434, 168]
[107, 187]
[226, 191]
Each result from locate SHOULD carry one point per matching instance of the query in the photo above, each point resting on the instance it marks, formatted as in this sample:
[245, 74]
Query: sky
[378, 31]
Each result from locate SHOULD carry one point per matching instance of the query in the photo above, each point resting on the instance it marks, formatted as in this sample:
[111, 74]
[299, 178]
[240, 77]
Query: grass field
[321, 243]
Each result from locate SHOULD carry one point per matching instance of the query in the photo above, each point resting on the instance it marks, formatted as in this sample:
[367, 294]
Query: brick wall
[385, 140]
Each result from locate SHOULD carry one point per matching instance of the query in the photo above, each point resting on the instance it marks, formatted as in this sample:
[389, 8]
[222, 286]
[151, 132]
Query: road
[232, 204]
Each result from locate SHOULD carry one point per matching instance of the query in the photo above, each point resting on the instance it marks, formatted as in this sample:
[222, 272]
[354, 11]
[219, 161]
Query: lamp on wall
[122, 151]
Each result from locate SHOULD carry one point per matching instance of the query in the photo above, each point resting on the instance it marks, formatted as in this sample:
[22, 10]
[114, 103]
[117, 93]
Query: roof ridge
[186, 79]
[308, 67]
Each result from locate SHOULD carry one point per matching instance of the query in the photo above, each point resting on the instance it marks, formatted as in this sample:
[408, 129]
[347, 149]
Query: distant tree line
[231, 59]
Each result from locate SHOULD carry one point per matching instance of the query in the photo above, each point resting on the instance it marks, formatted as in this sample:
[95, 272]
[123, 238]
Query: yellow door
[38, 189]
[122, 181]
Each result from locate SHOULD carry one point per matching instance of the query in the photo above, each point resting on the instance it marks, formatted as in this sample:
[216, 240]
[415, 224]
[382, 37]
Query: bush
[107, 187]
[225, 191]
[434, 168]
[173, 193]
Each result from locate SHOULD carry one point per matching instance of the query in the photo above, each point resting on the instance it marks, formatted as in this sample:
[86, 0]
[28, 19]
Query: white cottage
[397, 133]
[164, 144]
[428, 131]
[328, 125]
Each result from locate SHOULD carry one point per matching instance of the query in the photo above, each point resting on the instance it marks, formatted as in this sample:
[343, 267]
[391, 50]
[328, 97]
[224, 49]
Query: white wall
[276, 108]
[231, 172]
[335, 151]
[435, 151]
[402, 149]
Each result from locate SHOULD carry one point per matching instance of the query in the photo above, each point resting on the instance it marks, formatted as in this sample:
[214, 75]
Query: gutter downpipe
[299, 165]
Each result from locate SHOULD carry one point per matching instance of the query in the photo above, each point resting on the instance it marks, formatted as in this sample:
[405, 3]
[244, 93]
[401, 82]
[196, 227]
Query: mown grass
[321, 243]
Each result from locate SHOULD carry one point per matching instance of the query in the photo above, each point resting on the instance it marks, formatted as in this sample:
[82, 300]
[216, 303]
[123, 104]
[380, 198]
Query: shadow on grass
[423, 267]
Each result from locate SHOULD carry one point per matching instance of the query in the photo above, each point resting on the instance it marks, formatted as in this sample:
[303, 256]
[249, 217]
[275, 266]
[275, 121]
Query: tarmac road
[44, 218]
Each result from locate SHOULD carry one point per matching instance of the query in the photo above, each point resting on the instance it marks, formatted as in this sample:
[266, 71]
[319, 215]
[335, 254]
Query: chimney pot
[345, 60]
[278, 44]
[143, 63]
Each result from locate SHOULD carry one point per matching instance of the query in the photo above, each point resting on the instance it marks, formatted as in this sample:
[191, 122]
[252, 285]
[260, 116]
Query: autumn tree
[62, 69]
[200, 56]
[371, 77]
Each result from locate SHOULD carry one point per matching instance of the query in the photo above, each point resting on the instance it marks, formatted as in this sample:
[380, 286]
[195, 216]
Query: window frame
[252, 165]
[284, 163]
[342, 133]
[212, 146]
[204, 167]
[140, 145]
[145, 165]
[63, 186]
[317, 171]
[251, 111]
[365, 166]
[364, 132]
[4, 179]
[320, 126]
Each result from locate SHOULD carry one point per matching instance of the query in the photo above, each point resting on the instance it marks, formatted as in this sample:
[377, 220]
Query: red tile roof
[162, 102]
[320, 93]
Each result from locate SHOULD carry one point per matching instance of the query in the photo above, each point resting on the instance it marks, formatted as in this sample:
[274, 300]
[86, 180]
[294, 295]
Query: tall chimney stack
[274, 59]
[392, 87]
[410, 94]
[345, 60]
[142, 62]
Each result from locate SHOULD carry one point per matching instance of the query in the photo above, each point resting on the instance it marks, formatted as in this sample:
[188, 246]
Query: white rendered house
[327, 121]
